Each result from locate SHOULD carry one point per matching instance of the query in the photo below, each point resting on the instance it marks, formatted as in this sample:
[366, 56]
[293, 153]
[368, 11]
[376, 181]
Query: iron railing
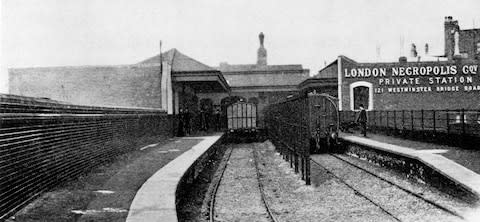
[43, 143]
[297, 125]
[288, 128]
[455, 127]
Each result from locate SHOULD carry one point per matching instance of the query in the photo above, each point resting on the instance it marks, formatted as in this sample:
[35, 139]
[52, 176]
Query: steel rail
[356, 191]
[452, 212]
[216, 185]
[260, 186]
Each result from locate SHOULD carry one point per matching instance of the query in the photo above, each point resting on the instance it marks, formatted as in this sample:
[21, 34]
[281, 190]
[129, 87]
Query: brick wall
[129, 86]
[45, 143]
[434, 99]
[468, 42]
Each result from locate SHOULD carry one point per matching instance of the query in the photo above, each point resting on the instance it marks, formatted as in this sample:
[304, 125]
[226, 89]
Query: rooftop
[180, 62]
[258, 68]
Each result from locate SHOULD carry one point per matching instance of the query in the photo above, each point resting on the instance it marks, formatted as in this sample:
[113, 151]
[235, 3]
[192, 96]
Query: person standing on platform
[362, 120]
[217, 119]
[203, 119]
[186, 120]
[180, 129]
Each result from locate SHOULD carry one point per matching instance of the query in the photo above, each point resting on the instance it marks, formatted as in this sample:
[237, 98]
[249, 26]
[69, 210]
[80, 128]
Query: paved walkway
[155, 200]
[107, 192]
[460, 165]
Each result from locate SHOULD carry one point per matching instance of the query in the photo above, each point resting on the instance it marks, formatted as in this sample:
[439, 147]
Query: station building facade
[170, 80]
[450, 82]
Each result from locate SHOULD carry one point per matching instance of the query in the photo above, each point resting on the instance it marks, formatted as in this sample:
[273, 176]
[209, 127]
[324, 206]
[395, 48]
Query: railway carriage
[324, 123]
[242, 120]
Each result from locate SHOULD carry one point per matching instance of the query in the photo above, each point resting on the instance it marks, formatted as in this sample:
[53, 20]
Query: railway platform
[458, 164]
[137, 186]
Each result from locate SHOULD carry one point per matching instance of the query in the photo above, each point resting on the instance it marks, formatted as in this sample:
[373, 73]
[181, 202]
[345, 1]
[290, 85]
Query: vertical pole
[380, 119]
[463, 126]
[411, 119]
[340, 117]
[448, 122]
[302, 167]
[296, 163]
[374, 119]
[307, 151]
[395, 121]
[387, 122]
[423, 122]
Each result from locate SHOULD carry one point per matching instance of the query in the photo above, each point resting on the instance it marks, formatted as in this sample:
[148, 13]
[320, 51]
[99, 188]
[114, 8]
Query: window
[361, 93]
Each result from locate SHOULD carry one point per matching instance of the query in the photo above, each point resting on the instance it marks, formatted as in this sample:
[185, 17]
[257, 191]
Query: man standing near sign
[362, 119]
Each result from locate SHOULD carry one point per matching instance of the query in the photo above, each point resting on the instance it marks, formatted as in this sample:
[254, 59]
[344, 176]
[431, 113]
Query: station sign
[418, 78]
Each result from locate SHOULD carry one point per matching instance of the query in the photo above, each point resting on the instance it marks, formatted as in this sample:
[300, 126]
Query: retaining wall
[45, 142]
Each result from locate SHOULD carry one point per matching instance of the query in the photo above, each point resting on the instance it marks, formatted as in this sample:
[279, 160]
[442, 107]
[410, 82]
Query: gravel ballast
[328, 198]
[238, 196]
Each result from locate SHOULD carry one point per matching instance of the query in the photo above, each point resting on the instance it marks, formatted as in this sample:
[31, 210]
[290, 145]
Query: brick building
[468, 41]
[145, 84]
[260, 83]
[170, 80]
[410, 83]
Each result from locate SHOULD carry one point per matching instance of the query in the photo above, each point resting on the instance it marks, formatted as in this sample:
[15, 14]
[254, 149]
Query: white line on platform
[146, 147]
[195, 138]
[104, 191]
[432, 151]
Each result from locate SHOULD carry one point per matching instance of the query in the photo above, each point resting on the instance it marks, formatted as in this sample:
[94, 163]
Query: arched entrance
[361, 93]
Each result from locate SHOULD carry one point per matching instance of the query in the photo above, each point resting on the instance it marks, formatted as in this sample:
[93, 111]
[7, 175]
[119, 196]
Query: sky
[39, 33]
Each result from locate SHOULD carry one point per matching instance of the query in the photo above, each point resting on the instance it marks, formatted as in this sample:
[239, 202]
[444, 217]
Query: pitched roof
[180, 62]
[261, 68]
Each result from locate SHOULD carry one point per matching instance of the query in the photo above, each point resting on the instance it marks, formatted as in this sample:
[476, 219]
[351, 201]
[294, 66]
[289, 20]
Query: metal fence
[43, 143]
[295, 125]
[454, 127]
[287, 126]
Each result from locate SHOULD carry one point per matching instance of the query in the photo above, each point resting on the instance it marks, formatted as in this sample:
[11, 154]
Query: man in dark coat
[203, 119]
[186, 121]
[217, 120]
[362, 120]
[180, 129]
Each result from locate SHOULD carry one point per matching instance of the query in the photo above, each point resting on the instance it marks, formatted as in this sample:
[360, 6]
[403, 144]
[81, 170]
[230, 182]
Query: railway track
[369, 199]
[211, 217]
[260, 186]
[216, 185]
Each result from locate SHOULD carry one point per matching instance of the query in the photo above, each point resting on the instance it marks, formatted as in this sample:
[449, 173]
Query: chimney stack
[450, 27]
[413, 51]
[262, 52]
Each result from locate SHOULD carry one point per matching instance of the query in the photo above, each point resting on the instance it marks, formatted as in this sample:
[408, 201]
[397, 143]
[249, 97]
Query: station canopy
[190, 72]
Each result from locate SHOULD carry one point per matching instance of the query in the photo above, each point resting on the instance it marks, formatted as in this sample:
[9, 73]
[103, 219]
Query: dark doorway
[361, 96]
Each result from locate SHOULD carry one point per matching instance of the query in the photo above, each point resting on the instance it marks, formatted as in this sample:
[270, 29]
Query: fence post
[423, 124]
[307, 153]
[463, 127]
[380, 118]
[448, 122]
[411, 119]
[307, 171]
[395, 121]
